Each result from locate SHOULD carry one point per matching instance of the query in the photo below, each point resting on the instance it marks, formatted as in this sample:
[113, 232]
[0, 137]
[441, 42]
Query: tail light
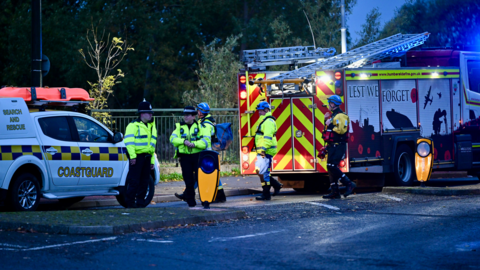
[243, 94]
[338, 75]
[245, 149]
[342, 164]
[245, 165]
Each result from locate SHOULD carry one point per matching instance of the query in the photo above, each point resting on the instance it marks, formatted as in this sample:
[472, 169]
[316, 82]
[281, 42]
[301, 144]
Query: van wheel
[24, 194]
[403, 167]
[148, 198]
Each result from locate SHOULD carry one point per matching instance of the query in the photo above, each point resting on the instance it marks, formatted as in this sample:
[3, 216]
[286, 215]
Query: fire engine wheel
[148, 198]
[403, 167]
[24, 193]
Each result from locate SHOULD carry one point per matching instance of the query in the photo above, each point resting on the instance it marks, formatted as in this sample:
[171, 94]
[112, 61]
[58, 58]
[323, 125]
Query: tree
[104, 57]
[217, 80]
[370, 29]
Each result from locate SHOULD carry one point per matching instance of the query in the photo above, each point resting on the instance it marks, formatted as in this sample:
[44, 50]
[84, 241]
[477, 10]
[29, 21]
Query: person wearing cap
[189, 139]
[335, 136]
[266, 147]
[207, 121]
[140, 140]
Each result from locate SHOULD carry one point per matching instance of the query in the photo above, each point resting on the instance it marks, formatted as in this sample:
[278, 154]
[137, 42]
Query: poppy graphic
[413, 95]
[435, 153]
[360, 149]
[447, 155]
[352, 138]
[373, 137]
[368, 150]
[377, 154]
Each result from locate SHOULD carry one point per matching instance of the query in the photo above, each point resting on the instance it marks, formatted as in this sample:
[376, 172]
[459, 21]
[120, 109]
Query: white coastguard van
[62, 155]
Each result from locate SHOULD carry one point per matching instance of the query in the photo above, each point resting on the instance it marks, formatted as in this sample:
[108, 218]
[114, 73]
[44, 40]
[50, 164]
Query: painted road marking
[155, 241]
[324, 205]
[9, 245]
[390, 197]
[223, 239]
[68, 244]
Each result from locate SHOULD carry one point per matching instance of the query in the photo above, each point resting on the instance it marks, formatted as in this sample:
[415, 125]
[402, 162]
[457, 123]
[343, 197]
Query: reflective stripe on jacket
[265, 139]
[197, 135]
[141, 138]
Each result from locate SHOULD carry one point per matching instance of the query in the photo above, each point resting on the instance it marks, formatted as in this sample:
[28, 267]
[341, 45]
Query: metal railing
[165, 120]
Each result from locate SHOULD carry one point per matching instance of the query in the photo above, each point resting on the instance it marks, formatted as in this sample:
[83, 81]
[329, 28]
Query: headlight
[207, 164]
[423, 149]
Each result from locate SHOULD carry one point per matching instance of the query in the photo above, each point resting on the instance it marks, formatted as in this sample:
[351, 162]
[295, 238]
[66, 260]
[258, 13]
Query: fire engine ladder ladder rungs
[285, 55]
[359, 57]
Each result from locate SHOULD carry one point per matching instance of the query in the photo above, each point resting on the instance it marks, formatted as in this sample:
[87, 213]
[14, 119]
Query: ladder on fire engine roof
[259, 58]
[365, 55]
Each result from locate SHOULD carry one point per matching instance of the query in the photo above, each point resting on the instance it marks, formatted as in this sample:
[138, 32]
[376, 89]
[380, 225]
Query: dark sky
[360, 10]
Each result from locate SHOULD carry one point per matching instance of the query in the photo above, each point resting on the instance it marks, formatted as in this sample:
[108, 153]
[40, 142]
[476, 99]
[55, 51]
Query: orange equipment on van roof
[48, 94]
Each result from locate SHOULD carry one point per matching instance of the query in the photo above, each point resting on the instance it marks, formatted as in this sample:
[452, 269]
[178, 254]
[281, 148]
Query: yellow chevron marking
[284, 162]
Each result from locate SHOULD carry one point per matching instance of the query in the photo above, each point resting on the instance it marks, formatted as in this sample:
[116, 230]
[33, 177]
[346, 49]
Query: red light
[342, 163]
[243, 94]
[243, 79]
[245, 149]
[338, 75]
[245, 165]
[339, 92]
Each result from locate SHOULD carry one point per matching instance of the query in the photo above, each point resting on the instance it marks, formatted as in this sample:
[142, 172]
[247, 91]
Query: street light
[424, 159]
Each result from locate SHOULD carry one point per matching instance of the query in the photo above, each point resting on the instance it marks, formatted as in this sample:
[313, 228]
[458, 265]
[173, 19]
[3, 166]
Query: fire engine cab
[50, 150]
[393, 96]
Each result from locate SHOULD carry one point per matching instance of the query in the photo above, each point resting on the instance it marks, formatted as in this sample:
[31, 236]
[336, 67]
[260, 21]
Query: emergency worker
[189, 140]
[336, 136]
[266, 147]
[140, 140]
[208, 122]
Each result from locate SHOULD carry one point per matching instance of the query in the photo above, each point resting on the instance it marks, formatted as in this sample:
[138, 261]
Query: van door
[61, 151]
[102, 161]
[470, 79]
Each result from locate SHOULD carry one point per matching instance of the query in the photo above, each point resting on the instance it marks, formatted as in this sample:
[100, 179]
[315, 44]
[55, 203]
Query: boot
[180, 196]
[350, 186]
[334, 194]
[276, 186]
[221, 198]
[266, 196]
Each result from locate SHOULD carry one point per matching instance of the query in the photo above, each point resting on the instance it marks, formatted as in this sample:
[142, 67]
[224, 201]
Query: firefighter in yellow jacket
[140, 140]
[266, 147]
[336, 136]
[189, 140]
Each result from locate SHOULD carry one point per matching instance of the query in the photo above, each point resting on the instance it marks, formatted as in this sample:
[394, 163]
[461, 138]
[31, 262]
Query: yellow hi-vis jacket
[208, 122]
[265, 139]
[141, 138]
[195, 134]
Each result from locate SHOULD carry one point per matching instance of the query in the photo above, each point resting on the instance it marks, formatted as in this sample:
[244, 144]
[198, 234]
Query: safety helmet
[189, 110]
[145, 107]
[263, 105]
[335, 100]
[203, 107]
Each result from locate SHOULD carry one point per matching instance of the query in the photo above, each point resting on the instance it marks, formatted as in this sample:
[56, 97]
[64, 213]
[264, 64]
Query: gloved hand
[322, 153]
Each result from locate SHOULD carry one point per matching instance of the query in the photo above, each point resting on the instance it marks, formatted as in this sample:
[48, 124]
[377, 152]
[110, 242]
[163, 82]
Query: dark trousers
[138, 177]
[336, 152]
[189, 165]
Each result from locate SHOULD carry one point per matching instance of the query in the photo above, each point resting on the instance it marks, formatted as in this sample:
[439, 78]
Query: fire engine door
[303, 134]
[281, 110]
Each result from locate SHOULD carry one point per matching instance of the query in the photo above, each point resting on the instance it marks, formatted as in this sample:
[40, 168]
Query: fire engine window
[56, 128]
[89, 131]
[474, 75]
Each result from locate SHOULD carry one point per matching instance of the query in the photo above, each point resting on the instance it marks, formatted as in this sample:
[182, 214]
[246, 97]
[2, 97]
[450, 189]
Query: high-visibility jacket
[141, 138]
[208, 122]
[195, 134]
[265, 136]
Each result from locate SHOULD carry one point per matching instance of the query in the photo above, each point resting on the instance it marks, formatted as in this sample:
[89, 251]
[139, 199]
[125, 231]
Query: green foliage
[449, 22]
[217, 78]
[171, 177]
[370, 29]
[233, 172]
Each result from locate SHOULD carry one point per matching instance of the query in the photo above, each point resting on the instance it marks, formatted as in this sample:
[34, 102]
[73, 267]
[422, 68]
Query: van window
[56, 127]
[473, 67]
[88, 131]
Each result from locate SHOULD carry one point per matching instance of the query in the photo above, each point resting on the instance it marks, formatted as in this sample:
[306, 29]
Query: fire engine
[393, 96]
